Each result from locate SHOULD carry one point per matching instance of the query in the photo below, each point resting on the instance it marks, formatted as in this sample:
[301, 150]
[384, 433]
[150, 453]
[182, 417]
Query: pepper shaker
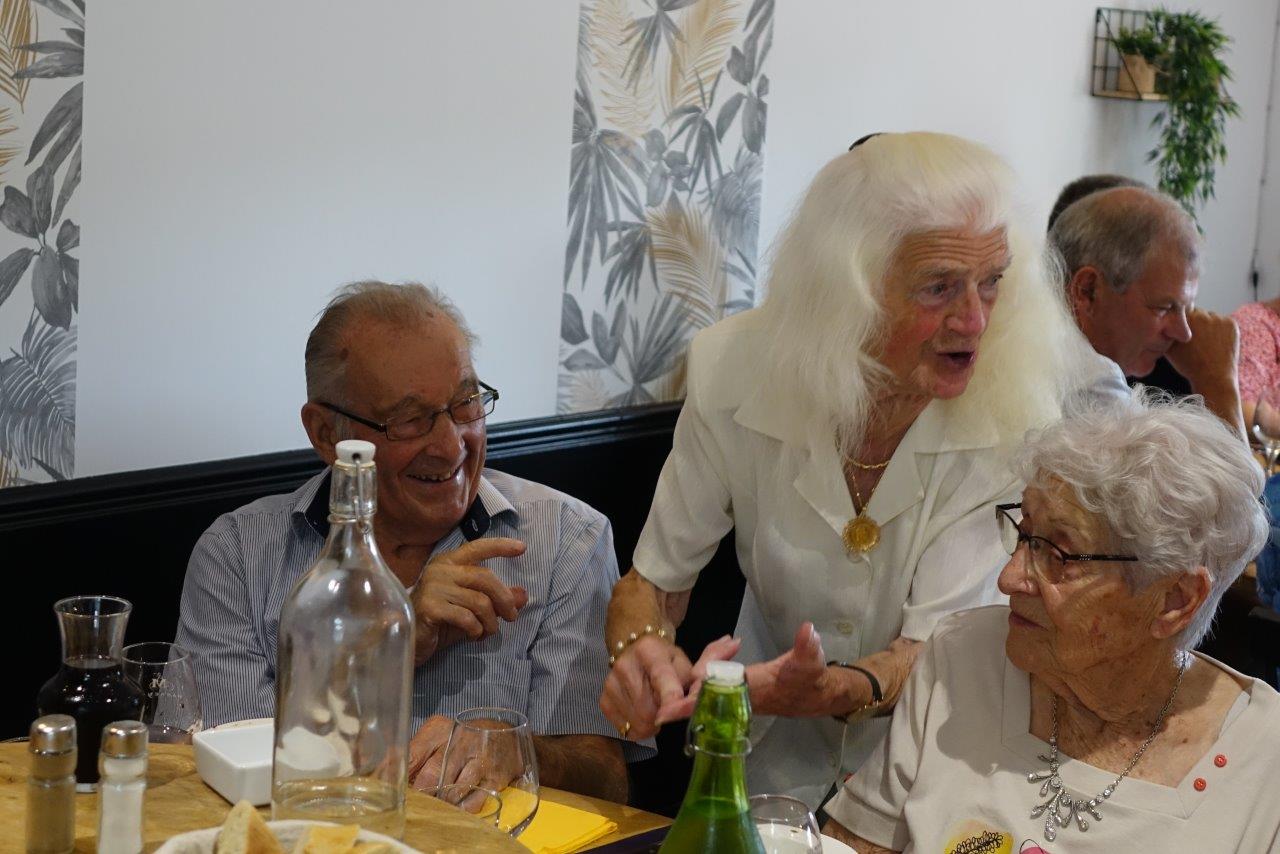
[51, 785]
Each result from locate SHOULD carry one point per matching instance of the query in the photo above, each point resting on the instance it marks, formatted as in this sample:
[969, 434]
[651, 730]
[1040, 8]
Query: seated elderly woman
[1133, 523]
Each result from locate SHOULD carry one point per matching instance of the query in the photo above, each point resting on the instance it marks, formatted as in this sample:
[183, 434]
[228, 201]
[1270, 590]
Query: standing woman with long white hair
[855, 432]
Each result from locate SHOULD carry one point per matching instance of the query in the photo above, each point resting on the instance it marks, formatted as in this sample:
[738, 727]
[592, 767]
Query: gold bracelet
[621, 645]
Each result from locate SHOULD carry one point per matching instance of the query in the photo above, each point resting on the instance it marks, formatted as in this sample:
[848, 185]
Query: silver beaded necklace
[1061, 809]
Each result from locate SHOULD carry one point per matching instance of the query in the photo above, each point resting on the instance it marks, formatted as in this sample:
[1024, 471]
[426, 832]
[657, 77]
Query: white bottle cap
[351, 450]
[726, 672]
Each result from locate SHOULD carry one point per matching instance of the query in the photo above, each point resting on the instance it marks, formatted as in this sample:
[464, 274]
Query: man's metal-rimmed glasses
[470, 408]
[1047, 560]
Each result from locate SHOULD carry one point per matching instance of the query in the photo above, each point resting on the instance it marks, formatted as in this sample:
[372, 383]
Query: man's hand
[1210, 356]
[651, 684]
[426, 751]
[1209, 360]
[456, 598]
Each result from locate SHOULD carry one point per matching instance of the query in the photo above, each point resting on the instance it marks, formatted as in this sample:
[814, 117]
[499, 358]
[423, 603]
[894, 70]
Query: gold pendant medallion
[861, 534]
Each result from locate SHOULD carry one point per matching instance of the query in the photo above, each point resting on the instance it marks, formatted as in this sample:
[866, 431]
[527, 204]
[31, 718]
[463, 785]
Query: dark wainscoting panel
[131, 534]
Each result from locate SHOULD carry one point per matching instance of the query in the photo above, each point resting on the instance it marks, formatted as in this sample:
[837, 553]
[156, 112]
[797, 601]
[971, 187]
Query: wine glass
[1266, 425]
[484, 804]
[786, 825]
[171, 701]
[493, 748]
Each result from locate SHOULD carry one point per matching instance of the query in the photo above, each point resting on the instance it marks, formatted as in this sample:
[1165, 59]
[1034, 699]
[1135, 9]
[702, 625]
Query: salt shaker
[122, 766]
[51, 785]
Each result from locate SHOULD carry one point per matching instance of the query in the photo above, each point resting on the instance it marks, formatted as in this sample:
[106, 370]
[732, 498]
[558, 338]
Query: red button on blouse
[1220, 760]
[1200, 784]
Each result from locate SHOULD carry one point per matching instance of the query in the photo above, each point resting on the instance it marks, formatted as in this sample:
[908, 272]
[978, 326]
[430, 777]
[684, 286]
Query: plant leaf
[601, 335]
[62, 10]
[76, 36]
[67, 110]
[727, 112]
[38, 387]
[708, 30]
[69, 183]
[626, 106]
[11, 270]
[572, 329]
[15, 212]
[68, 236]
[66, 64]
[49, 287]
[71, 272]
[584, 360]
[17, 26]
[690, 262]
[40, 188]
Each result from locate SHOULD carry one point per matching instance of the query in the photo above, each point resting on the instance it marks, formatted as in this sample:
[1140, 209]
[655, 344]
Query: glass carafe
[344, 671]
[90, 686]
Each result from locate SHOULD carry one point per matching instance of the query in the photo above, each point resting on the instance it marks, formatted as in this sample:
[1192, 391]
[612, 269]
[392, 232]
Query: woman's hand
[797, 683]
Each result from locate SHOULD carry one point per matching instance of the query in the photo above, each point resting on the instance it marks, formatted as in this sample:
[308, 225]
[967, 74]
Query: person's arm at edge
[590, 765]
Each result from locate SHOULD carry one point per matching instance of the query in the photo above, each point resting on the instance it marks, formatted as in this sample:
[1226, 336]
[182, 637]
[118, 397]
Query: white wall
[1014, 75]
[242, 158]
[1268, 235]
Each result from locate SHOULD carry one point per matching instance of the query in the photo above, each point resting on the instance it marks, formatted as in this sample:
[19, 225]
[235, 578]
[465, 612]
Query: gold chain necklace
[862, 533]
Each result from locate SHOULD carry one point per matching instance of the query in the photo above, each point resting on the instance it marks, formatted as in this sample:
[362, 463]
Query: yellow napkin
[558, 829]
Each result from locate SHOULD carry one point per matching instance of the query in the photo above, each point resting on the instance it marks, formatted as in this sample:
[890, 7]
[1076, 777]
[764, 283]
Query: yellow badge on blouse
[974, 837]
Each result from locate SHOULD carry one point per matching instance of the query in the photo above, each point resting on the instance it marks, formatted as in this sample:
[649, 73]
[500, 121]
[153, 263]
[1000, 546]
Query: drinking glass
[493, 748]
[171, 701]
[1266, 425]
[484, 804]
[786, 825]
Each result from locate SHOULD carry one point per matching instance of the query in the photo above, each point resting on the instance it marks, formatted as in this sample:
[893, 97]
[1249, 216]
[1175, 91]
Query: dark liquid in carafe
[95, 693]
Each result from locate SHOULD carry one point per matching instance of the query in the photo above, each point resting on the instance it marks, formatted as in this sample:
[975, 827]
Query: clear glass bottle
[90, 686]
[715, 815]
[51, 786]
[344, 671]
[122, 764]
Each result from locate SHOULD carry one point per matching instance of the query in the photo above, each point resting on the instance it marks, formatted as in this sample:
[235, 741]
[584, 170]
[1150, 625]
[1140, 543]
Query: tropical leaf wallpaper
[41, 96]
[664, 190]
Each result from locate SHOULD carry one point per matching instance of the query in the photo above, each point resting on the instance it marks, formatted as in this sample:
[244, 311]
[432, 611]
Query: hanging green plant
[1193, 123]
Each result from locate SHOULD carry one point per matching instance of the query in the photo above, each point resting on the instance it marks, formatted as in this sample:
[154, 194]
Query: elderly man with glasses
[509, 579]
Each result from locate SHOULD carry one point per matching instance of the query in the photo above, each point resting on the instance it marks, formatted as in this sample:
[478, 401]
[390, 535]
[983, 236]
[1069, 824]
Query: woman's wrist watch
[868, 710]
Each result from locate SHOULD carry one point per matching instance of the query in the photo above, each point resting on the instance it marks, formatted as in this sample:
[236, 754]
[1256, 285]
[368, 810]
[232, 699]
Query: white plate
[835, 846]
[287, 832]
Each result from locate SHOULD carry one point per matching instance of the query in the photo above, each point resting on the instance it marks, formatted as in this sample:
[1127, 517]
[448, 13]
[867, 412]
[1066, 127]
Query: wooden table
[178, 801]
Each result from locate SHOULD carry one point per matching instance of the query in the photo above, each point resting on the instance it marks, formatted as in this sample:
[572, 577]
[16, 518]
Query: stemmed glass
[1266, 425]
[786, 825]
[171, 701]
[492, 748]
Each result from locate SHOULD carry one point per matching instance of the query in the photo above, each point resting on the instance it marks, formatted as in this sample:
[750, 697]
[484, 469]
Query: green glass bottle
[715, 816]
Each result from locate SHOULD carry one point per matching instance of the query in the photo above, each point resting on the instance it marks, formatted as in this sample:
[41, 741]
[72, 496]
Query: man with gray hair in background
[1131, 264]
[508, 579]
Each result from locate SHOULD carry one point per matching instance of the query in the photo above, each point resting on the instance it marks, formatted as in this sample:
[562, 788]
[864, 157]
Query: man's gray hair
[405, 304]
[1116, 231]
[1171, 483]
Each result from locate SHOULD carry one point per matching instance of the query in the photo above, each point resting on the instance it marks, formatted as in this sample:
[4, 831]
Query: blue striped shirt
[549, 664]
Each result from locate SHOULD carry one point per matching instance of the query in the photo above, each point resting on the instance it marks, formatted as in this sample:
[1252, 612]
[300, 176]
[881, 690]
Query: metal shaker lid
[124, 739]
[53, 734]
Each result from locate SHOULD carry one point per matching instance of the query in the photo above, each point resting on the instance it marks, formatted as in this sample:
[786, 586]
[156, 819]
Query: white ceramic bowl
[235, 760]
[287, 832]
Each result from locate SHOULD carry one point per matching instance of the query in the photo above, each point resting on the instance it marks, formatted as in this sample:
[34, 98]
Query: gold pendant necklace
[861, 533]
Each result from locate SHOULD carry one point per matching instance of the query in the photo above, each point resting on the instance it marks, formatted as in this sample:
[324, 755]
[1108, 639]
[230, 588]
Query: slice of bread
[373, 848]
[244, 832]
[328, 840]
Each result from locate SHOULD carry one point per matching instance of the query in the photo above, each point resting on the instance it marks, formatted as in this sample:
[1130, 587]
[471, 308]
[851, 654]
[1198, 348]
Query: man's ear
[1082, 291]
[318, 422]
[1182, 599]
